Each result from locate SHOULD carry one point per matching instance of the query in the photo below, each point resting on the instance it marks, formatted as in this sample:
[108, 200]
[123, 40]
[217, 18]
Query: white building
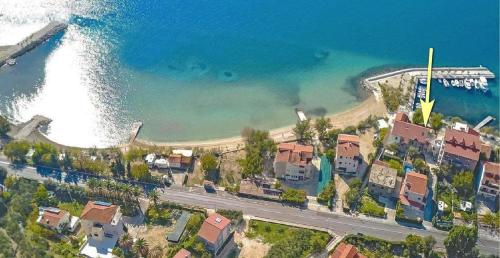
[53, 218]
[103, 226]
[347, 157]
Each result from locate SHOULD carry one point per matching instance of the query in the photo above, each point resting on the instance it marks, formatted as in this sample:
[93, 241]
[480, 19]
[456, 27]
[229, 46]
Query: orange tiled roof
[183, 253]
[348, 145]
[344, 250]
[462, 144]
[213, 227]
[492, 172]
[99, 213]
[407, 131]
[52, 218]
[294, 153]
[416, 183]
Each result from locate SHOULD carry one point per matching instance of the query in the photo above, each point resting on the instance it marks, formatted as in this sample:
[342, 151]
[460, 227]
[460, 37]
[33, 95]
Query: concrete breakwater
[440, 72]
[30, 42]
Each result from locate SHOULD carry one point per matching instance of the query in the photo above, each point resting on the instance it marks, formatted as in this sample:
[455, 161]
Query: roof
[180, 225]
[382, 174]
[344, 250]
[99, 212]
[294, 153]
[347, 145]
[52, 217]
[491, 172]
[183, 253]
[407, 131]
[464, 144]
[416, 183]
[213, 227]
[185, 153]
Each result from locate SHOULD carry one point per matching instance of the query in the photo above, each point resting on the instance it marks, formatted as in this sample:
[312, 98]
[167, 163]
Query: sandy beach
[353, 116]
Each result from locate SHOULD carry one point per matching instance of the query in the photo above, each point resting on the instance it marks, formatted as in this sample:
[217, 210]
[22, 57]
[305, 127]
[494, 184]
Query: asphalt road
[338, 223]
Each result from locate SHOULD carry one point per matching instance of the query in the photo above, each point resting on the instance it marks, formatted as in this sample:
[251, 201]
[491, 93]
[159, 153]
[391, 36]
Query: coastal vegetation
[258, 147]
[328, 193]
[461, 242]
[16, 151]
[208, 162]
[354, 192]
[436, 120]
[288, 241]
[393, 97]
[304, 132]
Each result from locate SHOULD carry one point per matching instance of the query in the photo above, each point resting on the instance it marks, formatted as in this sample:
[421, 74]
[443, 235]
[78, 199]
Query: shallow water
[204, 69]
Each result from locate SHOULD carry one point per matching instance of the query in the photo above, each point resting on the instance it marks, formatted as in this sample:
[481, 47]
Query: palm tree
[154, 197]
[126, 241]
[136, 191]
[141, 247]
[92, 184]
[156, 252]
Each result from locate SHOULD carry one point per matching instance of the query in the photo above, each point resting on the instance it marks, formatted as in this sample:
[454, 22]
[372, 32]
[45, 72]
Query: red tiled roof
[347, 145]
[491, 172]
[52, 218]
[294, 153]
[344, 250]
[416, 183]
[99, 213]
[183, 253]
[462, 144]
[213, 227]
[407, 131]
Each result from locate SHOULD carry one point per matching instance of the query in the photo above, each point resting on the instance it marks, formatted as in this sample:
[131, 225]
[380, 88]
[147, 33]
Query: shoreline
[352, 116]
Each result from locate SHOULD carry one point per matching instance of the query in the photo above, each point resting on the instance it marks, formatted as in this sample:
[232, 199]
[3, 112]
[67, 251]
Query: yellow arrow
[426, 104]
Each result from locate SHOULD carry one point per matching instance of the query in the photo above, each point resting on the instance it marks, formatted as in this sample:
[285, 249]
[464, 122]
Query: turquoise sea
[194, 69]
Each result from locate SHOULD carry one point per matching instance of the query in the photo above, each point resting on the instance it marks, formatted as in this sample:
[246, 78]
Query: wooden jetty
[31, 126]
[32, 41]
[136, 127]
[484, 122]
[301, 115]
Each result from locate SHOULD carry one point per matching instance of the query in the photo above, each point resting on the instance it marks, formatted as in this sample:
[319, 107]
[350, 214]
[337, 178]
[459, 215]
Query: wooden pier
[31, 126]
[440, 73]
[484, 122]
[136, 127]
[32, 41]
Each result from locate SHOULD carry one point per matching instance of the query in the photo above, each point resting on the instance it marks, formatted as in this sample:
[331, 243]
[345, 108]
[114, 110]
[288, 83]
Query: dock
[136, 127]
[484, 122]
[300, 114]
[31, 126]
[439, 73]
[30, 42]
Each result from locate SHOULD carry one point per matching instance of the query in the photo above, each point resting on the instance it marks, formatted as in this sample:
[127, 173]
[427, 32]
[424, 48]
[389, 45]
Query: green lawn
[74, 208]
[370, 207]
[288, 241]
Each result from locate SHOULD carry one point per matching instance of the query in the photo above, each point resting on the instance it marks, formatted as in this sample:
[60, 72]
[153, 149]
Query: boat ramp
[484, 122]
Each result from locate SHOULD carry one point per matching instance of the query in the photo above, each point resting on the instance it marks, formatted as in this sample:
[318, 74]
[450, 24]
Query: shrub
[294, 196]
[328, 193]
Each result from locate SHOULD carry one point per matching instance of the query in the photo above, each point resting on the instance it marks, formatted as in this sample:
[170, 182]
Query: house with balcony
[293, 161]
[344, 250]
[490, 181]
[462, 147]
[215, 233]
[405, 134]
[347, 155]
[53, 218]
[103, 225]
[413, 195]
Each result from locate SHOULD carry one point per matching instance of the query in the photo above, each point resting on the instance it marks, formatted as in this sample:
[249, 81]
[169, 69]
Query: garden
[287, 241]
[370, 207]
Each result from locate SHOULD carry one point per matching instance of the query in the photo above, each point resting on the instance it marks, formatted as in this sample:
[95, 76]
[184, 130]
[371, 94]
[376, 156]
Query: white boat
[476, 84]
[483, 81]
[454, 82]
[11, 62]
[422, 81]
[468, 84]
[440, 80]
[460, 83]
[446, 83]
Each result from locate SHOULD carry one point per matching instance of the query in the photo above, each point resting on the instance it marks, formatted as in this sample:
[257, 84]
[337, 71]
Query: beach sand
[353, 116]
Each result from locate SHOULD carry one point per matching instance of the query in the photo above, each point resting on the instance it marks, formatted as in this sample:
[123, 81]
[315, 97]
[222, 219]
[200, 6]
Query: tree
[461, 242]
[322, 125]
[258, 146]
[294, 196]
[303, 131]
[4, 126]
[393, 97]
[41, 196]
[208, 162]
[491, 219]
[3, 174]
[331, 137]
[415, 245]
[463, 182]
[45, 154]
[139, 171]
[420, 165]
[126, 242]
[436, 120]
[330, 154]
[16, 151]
[418, 117]
[141, 247]
[429, 243]
[156, 252]
[154, 197]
